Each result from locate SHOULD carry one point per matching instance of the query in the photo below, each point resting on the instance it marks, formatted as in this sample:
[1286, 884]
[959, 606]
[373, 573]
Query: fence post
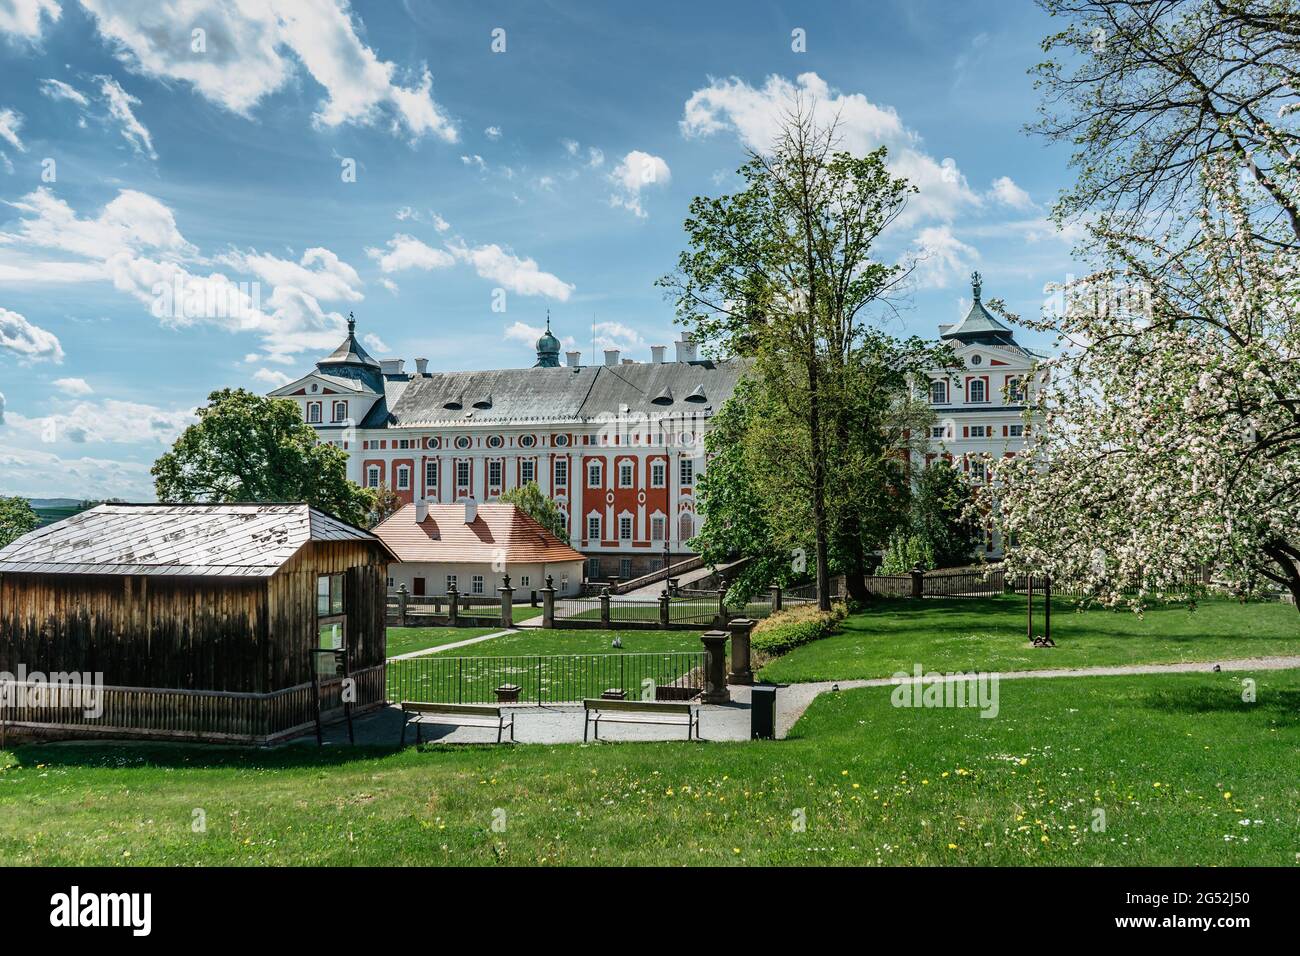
[613, 583]
[715, 667]
[507, 602]
[604, 605]
[918, 582]
[401, 605]
[548, 603]
[776, 598]
[453, 605]
[740, 669]
[722, 605]
[664, 617]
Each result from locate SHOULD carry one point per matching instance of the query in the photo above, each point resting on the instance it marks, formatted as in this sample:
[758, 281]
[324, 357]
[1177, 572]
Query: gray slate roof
[568, 394]
[227, 540]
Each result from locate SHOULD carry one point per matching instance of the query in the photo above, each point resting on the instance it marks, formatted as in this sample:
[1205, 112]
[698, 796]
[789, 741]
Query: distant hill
[50, 510]
[54, 502]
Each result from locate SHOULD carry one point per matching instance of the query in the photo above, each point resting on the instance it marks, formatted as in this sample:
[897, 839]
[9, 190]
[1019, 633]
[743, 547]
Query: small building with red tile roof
[473, 546]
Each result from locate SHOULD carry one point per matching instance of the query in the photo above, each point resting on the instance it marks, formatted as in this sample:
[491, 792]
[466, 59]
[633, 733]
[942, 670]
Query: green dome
[548, 348]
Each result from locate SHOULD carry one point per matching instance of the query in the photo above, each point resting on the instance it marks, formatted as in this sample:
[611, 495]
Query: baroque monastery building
[618, 446]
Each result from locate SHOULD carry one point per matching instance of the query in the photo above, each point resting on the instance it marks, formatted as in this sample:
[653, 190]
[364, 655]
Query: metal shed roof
[225, 540]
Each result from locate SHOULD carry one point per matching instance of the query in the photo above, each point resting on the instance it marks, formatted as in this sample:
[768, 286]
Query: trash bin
[762, 711]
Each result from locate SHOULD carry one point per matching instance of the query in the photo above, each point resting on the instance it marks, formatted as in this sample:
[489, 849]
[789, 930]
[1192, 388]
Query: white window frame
[686, 472]
[431, 473]
[626, 474]
[658, 527]
[372, 476]
[626, 527]
[495, 466]
[403, 477]
[938, 385]
[562, 472]
[970, 391]
[476, 584]
[451, 583]
[597, 526]
[527, 471]
[462, 484]
[594, 469]
[1016, 431]
[658, 473]
[335, 405]
[309, 417]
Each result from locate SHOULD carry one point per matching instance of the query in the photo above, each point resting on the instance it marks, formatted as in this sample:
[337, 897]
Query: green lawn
[989, 634]
[561, 641]
[404, 640]
[1185, 772]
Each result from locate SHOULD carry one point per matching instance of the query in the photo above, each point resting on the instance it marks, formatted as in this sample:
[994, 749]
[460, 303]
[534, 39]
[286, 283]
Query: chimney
[685, 349]
[421, 511]
[393, 366]
[471, 510]
[629, 361]
[422, 366]
[657, 353]
[574, 358]
[611, 356]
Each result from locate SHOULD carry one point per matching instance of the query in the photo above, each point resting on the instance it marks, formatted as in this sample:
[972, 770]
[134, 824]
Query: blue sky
[489, 187]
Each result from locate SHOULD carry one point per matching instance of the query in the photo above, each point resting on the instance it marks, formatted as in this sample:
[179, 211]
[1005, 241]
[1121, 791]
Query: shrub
[904, 552]
[786, 630]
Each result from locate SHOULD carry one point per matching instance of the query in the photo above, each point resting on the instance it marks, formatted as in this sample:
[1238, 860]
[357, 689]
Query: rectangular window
[657, 528]
[625, 528]
[593, 527]
[1015, 392]
[688, 471]
[523, 580]
[329, 595]
[561, 472]
[372, 476]
[340, 411]
[527, 471]
[626, 474]
[979, 431]
[476, 584]
[625, 569]
[494, 474]
[403, 478]
[431, 474]
[938, 431]
[975, 391]
[658, 474]
[451, 582]
[593, 474]
[977, 469]
[313, 413]
[462, 476]
[1016, 431]
[938, 393]
[593, 568]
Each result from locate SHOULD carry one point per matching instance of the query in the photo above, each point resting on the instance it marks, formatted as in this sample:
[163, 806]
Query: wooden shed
[195, 621]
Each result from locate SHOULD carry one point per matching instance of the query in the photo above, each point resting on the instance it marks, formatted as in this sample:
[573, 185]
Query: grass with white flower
[1184, 770]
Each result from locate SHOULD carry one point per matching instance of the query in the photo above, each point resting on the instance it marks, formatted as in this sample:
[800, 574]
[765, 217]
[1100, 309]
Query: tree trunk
[1288, 564]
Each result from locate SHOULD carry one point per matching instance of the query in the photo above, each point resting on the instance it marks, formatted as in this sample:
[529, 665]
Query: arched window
[975, 388]
[686, 526]
[938, 392]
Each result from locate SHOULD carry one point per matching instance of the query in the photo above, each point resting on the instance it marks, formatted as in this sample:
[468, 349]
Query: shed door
[418, 584]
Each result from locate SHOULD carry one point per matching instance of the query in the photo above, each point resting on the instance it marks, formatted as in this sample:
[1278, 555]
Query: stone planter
[508, 694]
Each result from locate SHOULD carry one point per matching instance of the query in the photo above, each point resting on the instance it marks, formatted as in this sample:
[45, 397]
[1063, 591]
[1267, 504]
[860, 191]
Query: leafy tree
[530, 500]
[1167, 434]
[942, 516]
[16, 519]
[386, 503]
[245, 447]
[780, 272]
[906, 551]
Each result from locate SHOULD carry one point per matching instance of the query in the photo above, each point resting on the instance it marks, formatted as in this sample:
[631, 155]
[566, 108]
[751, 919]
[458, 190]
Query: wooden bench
[640, 712]
[455, 715]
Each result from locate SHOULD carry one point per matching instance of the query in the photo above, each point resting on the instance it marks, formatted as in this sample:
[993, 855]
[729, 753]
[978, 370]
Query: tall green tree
[942, 514]
[246, 447]
[781, 272]
[16, 519]
[530, 500]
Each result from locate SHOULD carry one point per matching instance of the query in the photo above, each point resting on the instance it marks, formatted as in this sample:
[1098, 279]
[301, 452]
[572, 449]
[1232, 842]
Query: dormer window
[485, 402]
[698, 395]
[665, 397]
[453, 404]
[313, 413]
[340, 412]
[939, 392]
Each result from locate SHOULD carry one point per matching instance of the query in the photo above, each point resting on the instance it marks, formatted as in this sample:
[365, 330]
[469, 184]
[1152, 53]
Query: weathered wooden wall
[194, 633]
[292, 608]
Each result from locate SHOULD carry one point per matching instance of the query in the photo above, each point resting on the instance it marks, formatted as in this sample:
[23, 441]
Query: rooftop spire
[352, 323]
[975, 285]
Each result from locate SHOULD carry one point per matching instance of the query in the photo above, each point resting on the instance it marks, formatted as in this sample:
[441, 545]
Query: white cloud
[941, 256]
[22, 18]
[390, 285]
[615, 335]
[320, 273]
[407, 252]
[571, 146]
[636, 171]
[595, 157]
[10, 124]
[58, 90]
[132, 221]
[374, 342]
[755, 115]
[38, 472]
[475, 161]
[107, 422]
[76, 387]
[31, 343]
[271, 377]
[119, 107]
[493, 133]
[2, 408]
[497, 265]
[248, 44]
[1006, 192]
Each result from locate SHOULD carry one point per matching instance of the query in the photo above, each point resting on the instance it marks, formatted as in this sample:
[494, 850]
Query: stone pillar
[548, 603]
[918, 582]
[664, 617]
[613, 583]
[604, 606]
[715, 668]
[776, 598]
[740, 669]
[507, 602]
[401, 605]
[722, 605]
[453, 605]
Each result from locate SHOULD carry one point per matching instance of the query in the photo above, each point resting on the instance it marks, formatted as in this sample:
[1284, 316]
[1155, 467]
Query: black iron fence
[989, 582]
[545, 679]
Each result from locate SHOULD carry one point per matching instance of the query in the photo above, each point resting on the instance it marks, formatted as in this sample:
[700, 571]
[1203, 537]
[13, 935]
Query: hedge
[786, 630]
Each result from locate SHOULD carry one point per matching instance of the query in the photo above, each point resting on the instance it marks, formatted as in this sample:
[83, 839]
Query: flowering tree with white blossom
[1165, 435]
